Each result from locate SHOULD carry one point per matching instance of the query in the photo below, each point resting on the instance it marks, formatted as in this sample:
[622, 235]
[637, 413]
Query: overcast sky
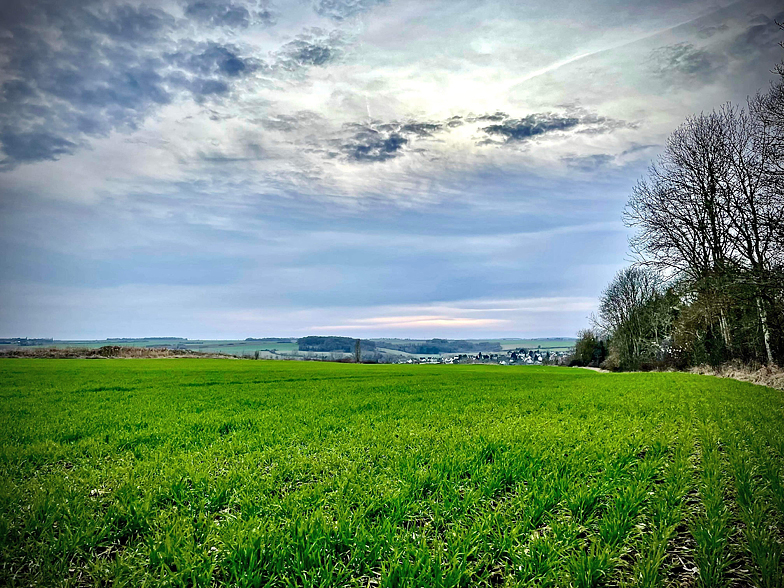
[233, 168]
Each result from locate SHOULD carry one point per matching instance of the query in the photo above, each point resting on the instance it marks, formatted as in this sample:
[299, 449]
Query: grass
[215, 473]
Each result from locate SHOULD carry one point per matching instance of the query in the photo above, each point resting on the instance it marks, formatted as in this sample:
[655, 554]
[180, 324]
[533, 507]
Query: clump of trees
[330, 344]
[708, 282]
[590, 350]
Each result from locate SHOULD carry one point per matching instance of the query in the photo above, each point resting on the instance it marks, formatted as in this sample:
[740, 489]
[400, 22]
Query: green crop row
[216, 473]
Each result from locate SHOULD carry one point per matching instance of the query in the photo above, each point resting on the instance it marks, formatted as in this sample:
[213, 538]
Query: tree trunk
[765, 331]
[725, 331]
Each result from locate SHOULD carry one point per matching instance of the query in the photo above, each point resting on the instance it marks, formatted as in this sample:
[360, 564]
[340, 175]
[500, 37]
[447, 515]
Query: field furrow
[215, 473]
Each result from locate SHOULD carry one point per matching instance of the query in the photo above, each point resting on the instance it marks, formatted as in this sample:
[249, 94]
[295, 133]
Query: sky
[399, 168]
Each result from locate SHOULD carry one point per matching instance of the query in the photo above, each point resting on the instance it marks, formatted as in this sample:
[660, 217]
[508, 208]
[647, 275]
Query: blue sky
[232, 168]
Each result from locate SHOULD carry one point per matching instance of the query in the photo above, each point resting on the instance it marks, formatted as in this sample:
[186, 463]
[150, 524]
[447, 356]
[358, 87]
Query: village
[520, 356]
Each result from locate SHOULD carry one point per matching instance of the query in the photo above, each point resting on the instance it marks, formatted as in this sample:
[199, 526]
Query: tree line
[707, 283]
[330, 344]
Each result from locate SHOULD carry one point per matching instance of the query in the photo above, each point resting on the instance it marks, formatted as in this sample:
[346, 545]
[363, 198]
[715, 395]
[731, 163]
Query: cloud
[682, 59]
[80, 71]
[707, 31]
[213, 59]
[588, 163]
[763, 33]
[342, 9]
[367, 144]
[414, 321]
[517, 130]
[292, 122]
[228, 14]
[488, 315]
[313, 48]
[34, 146]
[381, 141]
[520, 129]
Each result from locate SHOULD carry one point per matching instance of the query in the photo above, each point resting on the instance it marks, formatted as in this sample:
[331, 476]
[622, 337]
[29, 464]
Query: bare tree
[755, 207]
[681, 211]
[626, 312]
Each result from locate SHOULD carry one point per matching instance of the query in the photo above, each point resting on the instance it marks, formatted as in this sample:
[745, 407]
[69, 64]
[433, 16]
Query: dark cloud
[382, 141]
[763, 34]
[379, 141]
[134, 25]
[367, 144]
[421, 129]
[211, 59]
[516, 130]
[76, 70]
[343, 9]
[682, 59]
[304, 53]
[218, 14]
[34, 145]
[229, 14]
[513, 130]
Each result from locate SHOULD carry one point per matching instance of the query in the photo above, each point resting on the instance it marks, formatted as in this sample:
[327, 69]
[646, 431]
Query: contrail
[569, 60]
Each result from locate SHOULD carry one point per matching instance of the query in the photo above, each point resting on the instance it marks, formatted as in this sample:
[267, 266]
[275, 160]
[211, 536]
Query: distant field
[242, 347]
[559, 344]
[216, 473]
[227, 346]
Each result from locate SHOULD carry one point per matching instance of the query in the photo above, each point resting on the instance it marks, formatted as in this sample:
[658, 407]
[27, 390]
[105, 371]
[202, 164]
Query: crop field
[198, 472]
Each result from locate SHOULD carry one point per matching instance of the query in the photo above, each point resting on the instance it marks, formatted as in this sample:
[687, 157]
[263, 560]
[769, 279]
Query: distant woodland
[329, 344]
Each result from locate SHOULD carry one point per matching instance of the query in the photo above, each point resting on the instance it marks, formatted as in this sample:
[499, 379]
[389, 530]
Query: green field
[282, 347]
[199, 472]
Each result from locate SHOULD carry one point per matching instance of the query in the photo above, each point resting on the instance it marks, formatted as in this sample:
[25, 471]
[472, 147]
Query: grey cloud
[34, 146]
[367, 144]
[206, 87]
[314, 48]
[683, 59]
[593, 124]
[130, 24]
[517, 130]
[708, 31]
[762, 34]
[588, 163]
[514, 130]
[78, 70]
[229, 14]
[379, 141]
[213, 59]
[495, 117]
[343, 9]
[218, 14]
[421, 129]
